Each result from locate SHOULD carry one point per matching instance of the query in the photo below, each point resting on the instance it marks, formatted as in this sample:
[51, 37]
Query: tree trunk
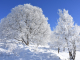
[27, 40]
[74, 52]
[58, 49]
[27, 43]
[72, 55]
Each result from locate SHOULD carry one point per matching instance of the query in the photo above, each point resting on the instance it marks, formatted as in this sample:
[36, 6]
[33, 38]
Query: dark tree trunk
[58, 49]
[72, 54]
[27, 43]
[27, 40]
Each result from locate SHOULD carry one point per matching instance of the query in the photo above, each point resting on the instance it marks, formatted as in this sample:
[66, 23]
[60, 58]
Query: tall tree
[25, 23]
[74, 39]
[65, 31]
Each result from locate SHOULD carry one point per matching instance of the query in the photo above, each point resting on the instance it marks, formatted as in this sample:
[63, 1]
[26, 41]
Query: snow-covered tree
[65, 23]
[55, 42]
[25, 23]
[74, 39]
[67, 33]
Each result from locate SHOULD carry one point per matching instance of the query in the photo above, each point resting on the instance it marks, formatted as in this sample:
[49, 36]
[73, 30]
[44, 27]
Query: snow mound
[23, 52]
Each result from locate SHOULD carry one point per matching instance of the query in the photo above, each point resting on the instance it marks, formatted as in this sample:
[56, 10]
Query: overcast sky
[49, 7]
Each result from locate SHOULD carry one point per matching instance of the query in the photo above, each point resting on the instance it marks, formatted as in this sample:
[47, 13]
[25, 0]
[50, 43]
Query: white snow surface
[23, 52]
[32, 52]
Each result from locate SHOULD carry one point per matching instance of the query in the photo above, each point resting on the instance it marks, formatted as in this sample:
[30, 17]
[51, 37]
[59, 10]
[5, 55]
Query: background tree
[74, 39]
[65, 31]
[55, 41]
[25, 23]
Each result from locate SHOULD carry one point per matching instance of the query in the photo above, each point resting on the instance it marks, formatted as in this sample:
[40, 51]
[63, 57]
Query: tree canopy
[25, 23]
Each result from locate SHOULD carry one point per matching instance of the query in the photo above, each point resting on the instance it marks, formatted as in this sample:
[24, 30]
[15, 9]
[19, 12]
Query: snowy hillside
[23, 52]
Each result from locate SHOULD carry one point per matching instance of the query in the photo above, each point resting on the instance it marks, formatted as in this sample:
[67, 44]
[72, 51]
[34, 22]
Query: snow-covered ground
[23, 52]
